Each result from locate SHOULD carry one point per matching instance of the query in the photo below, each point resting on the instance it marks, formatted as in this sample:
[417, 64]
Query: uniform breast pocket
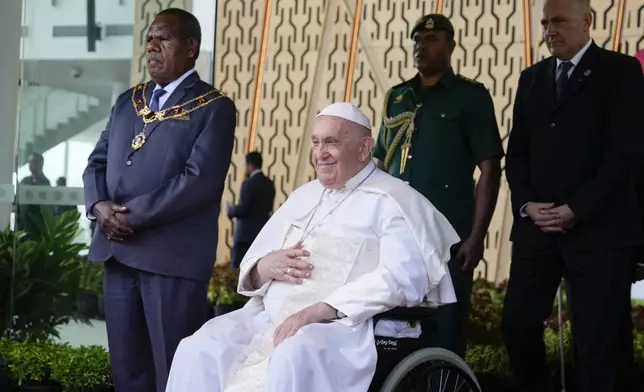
[440, 137]
[444, 118]
[443, 126]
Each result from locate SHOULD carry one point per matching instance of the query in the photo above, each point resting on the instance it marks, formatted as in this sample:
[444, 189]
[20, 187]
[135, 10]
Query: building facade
[63, 64]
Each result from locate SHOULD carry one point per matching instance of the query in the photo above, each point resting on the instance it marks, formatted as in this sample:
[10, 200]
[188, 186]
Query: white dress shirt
[574, 61]
[170, 87]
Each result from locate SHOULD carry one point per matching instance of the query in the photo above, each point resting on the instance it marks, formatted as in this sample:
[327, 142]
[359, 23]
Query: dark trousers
[599, 289]
[238, 252]
[626, 371]
[451, 320]
[147, 315]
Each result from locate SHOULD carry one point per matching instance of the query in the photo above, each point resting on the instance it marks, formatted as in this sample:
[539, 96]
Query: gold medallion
[138, 141]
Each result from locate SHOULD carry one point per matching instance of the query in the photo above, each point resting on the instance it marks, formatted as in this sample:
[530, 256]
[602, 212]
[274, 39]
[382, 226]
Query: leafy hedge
[486, 349]
[45, 363]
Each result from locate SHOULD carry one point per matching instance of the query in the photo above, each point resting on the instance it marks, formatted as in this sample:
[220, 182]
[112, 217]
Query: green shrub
[82, 368]
[486, 351]
[223, 287]
[553, 349]
[493, 358]
[488, 359]
[30, 361]
[4, 348]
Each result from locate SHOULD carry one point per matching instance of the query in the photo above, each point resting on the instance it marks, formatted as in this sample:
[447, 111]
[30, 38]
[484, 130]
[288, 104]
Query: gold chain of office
[174, 112]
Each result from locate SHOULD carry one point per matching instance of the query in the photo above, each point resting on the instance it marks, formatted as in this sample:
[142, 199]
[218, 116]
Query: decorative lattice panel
[144, 13]
[490, 49]
[632, 36]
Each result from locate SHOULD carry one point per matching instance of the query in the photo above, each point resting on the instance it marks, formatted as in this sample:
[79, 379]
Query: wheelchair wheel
[431, 369]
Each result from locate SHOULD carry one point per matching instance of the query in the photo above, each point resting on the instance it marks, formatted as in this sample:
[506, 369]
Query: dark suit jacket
[172, 186]
[256, 200]
[579, 150]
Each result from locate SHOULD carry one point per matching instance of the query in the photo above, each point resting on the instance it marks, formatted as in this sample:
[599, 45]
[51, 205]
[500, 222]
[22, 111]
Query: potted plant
[83, 369]
[223, 291]
[29, 365]
[46, 277]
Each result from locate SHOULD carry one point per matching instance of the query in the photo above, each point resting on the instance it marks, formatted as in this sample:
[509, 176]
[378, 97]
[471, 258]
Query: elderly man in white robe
[354, 243]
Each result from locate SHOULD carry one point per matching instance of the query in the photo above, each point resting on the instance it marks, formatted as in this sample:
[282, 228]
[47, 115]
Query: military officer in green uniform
[436, 129]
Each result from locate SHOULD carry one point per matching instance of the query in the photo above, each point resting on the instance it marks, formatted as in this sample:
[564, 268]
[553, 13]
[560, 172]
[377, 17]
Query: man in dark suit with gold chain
[154, 184]
[571, 156]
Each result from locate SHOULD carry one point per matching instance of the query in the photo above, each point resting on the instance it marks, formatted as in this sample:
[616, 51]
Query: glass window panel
[69, 80]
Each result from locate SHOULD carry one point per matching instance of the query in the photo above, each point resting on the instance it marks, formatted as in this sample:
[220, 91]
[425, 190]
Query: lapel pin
[587, 72]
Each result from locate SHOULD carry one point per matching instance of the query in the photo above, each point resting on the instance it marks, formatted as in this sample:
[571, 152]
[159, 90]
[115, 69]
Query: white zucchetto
[347, 111]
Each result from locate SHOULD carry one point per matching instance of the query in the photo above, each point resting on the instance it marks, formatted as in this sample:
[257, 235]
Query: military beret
[432, 22]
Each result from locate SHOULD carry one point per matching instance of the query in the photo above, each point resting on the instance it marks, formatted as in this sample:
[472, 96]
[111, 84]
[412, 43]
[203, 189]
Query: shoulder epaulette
[397, 96]
[406, 82]
[465, 78]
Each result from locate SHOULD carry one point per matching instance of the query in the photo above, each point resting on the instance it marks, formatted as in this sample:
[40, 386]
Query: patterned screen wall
[144, 13]
[490, 49]
[306, 64]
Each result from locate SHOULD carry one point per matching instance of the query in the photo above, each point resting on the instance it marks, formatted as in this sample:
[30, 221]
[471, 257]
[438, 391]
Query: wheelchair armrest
[409, 315]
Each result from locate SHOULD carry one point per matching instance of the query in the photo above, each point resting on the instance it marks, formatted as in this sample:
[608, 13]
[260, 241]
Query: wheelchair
[405, 365]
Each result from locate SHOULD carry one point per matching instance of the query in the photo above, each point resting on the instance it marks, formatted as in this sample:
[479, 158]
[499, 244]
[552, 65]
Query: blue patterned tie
[154, 105]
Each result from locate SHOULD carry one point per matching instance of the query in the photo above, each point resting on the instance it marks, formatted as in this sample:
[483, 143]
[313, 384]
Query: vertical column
[617, 34]
[353, 51]
[144, 13]
[11, 22]
[252, 132]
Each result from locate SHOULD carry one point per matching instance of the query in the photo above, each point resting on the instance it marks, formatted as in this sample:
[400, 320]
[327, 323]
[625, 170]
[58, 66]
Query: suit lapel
[181, 89]
[176, 97]
[580, 75]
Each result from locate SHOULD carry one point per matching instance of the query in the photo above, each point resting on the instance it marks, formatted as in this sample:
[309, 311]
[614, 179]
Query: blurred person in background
[28, 215]
[256, 199]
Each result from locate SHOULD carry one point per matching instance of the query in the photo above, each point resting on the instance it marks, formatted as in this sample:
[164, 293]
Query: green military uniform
[433, 138]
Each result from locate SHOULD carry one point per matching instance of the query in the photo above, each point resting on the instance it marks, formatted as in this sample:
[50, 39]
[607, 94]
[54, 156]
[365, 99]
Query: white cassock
[384, 245]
